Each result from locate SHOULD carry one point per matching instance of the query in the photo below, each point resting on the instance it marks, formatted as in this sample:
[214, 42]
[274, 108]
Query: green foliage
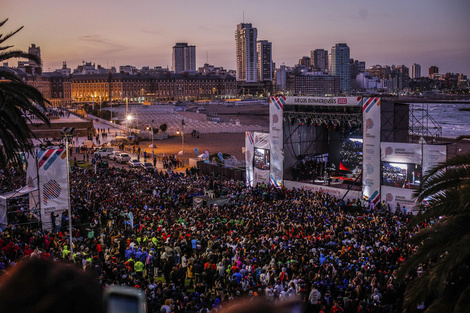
[163, 127]
[443, 248]
[19, 103]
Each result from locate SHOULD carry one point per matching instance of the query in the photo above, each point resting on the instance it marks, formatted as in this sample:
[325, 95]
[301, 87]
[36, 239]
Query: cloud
[153, 32]
[102, 43]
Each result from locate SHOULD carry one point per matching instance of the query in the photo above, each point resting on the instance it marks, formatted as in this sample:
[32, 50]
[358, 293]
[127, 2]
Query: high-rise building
[265, 61]
[320, 59]
[340, 65]
[184, 58]
[433, 70]
[415, 71]
[305, 61]
[247, 58]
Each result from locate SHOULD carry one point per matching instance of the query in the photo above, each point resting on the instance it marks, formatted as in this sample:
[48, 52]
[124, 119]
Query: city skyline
[114, 33]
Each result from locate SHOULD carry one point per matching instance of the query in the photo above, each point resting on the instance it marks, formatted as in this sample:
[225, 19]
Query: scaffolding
[422, 124]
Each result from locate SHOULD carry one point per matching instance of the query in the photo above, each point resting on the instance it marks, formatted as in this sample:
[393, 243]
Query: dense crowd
[141, 230]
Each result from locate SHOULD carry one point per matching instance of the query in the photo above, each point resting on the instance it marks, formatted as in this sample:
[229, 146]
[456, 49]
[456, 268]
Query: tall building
[247, 58]
[184, 58]
[320, 59]
[265, 60]
[340, 65]
[305, 62]
[433, 70]
[415, 71]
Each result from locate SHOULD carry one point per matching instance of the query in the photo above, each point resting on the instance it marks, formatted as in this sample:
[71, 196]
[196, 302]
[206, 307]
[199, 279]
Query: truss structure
[422, 124]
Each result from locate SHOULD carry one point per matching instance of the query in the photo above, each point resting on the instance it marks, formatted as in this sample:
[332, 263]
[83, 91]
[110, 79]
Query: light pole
[182, 137]
[67, 132]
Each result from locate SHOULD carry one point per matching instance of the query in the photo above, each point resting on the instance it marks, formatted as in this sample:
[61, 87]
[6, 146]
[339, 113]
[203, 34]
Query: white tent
[4, 202]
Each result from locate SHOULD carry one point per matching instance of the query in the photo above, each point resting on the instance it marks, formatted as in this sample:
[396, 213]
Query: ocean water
[454, 122]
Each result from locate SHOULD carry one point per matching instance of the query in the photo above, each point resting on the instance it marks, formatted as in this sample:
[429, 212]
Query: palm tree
[442, 248]
[19, 102]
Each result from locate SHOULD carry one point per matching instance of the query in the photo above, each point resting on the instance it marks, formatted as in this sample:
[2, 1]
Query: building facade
[247, 58]
[160, 87]
[314, 85]
[415, 71]
[265, 61]
[183, 58]
[340, 65]
[320, 59]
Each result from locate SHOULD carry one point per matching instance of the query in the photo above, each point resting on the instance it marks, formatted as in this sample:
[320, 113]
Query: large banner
[249, 152]
[276, 116]
[260, 176]
[371, 149]
[337, 192]
[53, 187]
[402, 196]
[433, 155]
[399, 152]
[324, 101]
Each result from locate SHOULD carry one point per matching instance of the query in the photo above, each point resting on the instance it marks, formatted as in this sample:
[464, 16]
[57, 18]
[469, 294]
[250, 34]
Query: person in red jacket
[336, 308]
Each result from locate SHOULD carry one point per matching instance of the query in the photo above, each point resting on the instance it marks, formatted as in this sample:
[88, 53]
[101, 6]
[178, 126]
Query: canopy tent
[10, 195]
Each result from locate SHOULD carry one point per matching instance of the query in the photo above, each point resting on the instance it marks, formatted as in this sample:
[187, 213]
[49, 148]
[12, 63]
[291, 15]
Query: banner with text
[53, 187]
[324, 101]
[249, 152]
[276, 117]
[371, 149]
[399, 152]
[433, 154]
[337, 192]
[403, 196]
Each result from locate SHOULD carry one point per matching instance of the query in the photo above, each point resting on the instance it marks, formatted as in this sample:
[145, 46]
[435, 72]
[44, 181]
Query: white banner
[399, 152]
[249, 152]
[433, 154]
[261, 140]
[403, 196]
[337, 192]
[324, 101]
[53, 187]
[276, 117]
[260, 176]
[371, 149]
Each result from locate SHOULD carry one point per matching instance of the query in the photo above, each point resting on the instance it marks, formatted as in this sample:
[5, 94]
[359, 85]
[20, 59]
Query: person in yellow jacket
[139, 268]
[65, 252]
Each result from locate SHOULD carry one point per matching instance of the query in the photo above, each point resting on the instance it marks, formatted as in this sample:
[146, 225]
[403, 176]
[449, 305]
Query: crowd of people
[141, 229]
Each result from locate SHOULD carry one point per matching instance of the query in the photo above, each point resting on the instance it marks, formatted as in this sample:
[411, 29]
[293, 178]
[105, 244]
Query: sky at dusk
[143, 32]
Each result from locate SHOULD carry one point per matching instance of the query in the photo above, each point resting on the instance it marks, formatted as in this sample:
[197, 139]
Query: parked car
[147, 166]
[104, 152]
[123, 158]
[113, 155]
[134, 163]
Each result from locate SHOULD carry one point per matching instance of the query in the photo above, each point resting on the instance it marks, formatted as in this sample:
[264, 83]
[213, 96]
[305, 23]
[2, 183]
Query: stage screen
[401, 175]
[261, 159]
[351, 156]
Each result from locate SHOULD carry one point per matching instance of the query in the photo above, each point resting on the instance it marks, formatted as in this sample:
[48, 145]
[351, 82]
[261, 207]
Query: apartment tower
[247, 58]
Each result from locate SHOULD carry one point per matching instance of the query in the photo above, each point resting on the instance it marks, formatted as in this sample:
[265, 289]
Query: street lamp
[182, 137]
[151, 129]
[129, 119]
[67, 132]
